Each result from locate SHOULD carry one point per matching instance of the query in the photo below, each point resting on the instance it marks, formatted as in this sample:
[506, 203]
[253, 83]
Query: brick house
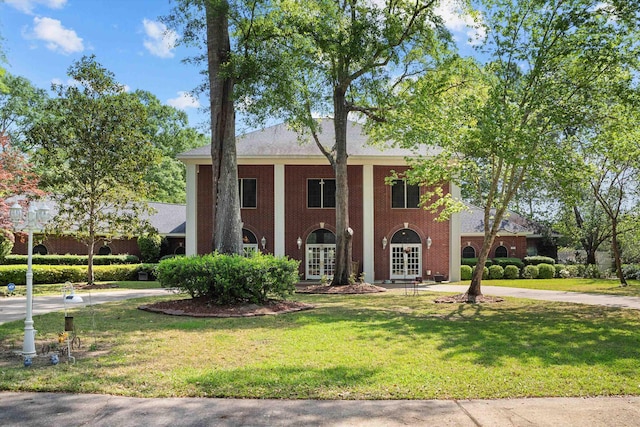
[287, 190]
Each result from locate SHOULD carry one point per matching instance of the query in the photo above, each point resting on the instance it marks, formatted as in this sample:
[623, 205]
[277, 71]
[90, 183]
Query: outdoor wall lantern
[429, 242]
[33, 221]
[299, 242]
[263, 242]
[384, 242]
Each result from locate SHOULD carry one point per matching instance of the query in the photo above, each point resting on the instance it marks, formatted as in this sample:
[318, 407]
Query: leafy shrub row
[536, 260]
[69, 273]
[631, 271]
[502, 262]
[227, 279]
[70, 259]
[544, 271]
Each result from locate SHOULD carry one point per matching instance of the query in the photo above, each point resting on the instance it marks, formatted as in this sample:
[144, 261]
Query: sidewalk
[45, 409]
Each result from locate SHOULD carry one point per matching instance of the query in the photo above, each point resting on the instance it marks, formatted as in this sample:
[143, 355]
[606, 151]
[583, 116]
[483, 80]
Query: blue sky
[42, 38]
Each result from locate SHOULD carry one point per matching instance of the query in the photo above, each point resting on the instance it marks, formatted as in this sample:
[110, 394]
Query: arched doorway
[406, 255]
[40, 250]
[501, 252]
[104, 250]
[249, 242]
[469, 252]
[321, 254]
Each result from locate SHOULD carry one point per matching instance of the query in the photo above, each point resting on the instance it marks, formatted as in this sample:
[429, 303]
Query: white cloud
[183, 101]
[159, 40]
[457, 21]
[27, 6]
[57, 37]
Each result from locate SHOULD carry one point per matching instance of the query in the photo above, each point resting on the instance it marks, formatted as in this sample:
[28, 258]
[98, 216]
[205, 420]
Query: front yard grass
[376, 346]
[597, 286]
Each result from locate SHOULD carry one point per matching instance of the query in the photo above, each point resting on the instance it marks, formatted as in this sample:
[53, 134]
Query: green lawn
[53, 289]
[381, 346]
[600, 286]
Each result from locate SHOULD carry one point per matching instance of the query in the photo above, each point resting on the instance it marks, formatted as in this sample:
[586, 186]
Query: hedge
[535, 260]
[473, 261]
[546, 271]
[496, 272]
[465, 272]
[70, 259]
[511, 272]
[503, 262]
[530, 272]
[229, 279]
[485, 272]
[70, 273]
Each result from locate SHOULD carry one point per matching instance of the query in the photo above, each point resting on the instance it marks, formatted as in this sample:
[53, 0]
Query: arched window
[468, 252]
[501, 252]
[40, 250]
[321, 236]
[406, 254]
[406, 236]
[249, 242]
[179, 250]
[104, 250]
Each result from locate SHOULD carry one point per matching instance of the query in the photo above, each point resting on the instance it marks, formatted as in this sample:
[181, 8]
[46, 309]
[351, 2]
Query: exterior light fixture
[263, 242]
[299, 242]
[384, 242]
[429, 242]
[34, 220]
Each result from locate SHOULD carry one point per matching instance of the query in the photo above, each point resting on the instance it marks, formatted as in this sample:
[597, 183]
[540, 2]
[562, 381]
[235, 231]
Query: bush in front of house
[150, 245]
[503, 262]
[485, 272]
[70, 259]
[530, 272]
[631, 271]
[473, 261]
[511, 272]
[465, 272]
[229, 279]
[67, 273]
[6, 242]
[546, 271]
[496, 272]
[538, 259]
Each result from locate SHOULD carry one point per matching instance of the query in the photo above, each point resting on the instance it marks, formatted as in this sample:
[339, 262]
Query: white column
[278, 209]
[368, 245]
[191, 240]
[454, 238]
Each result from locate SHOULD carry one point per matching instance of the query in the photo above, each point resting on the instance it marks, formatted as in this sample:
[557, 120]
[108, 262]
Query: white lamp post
[33, 221]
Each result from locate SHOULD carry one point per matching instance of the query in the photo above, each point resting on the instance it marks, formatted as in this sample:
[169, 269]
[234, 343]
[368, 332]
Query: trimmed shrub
[546, 271]
[473, 261]
[6, 242]
[150, 245]
[496, 272]
[485, 272]
[558, 268]
[71, 259]
[535, 260]
[530, 272]
[228, 279]
[67, 273]
[465, 272]
[511, 272]
[592, 271]
[503, 262]
[573, 269]
[631, 271]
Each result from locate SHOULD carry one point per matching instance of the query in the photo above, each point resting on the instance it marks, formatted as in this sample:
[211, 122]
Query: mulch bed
[464, 298]
[202, 307]
[356, 288]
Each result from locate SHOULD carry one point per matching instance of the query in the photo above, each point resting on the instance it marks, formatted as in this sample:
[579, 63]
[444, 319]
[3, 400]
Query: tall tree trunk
[616, 252]
[475, 289]
[344, 233]
[90, 275]
[227, 236]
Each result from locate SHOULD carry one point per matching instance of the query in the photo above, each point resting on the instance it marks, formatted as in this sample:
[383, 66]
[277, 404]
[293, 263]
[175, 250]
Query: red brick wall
[68, 245]
[301, 221]
[261, 219]
[519, 242]
[388, 221]
[204, 214]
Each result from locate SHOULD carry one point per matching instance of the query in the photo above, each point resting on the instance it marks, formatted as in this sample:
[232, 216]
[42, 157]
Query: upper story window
[404, 195]
[248, 188]
[321, 193]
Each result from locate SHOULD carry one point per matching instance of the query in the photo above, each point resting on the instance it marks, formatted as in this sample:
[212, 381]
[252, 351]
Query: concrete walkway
[48, 409]
[37, 409]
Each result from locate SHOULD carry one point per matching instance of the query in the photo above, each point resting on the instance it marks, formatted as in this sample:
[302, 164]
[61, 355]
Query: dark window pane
[249, 193]
[397, 194]
[501, 252]
[313, 193]
[468, 252]
[413, 196]
[329, 196]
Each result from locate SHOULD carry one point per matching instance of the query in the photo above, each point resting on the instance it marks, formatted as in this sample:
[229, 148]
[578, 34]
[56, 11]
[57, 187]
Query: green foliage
[546, 271]
[503, 262]
[466, 272]
[150, 245]
[20, 106]
[71, 259]
[530, 272]
[631, 271]
[496, 272]
[473, 261]
[511, 272]
[535, 260]
[592, 271]
[6, 243]
[62, 274]
[485, 272]
[229, 279]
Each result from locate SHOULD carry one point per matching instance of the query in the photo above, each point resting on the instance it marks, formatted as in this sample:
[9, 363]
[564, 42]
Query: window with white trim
[404, 195]
[248, 190]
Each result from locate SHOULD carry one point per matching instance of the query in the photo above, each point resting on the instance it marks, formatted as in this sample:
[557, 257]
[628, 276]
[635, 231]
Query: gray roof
[281, 141]
[472, 222]
[169, 218]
